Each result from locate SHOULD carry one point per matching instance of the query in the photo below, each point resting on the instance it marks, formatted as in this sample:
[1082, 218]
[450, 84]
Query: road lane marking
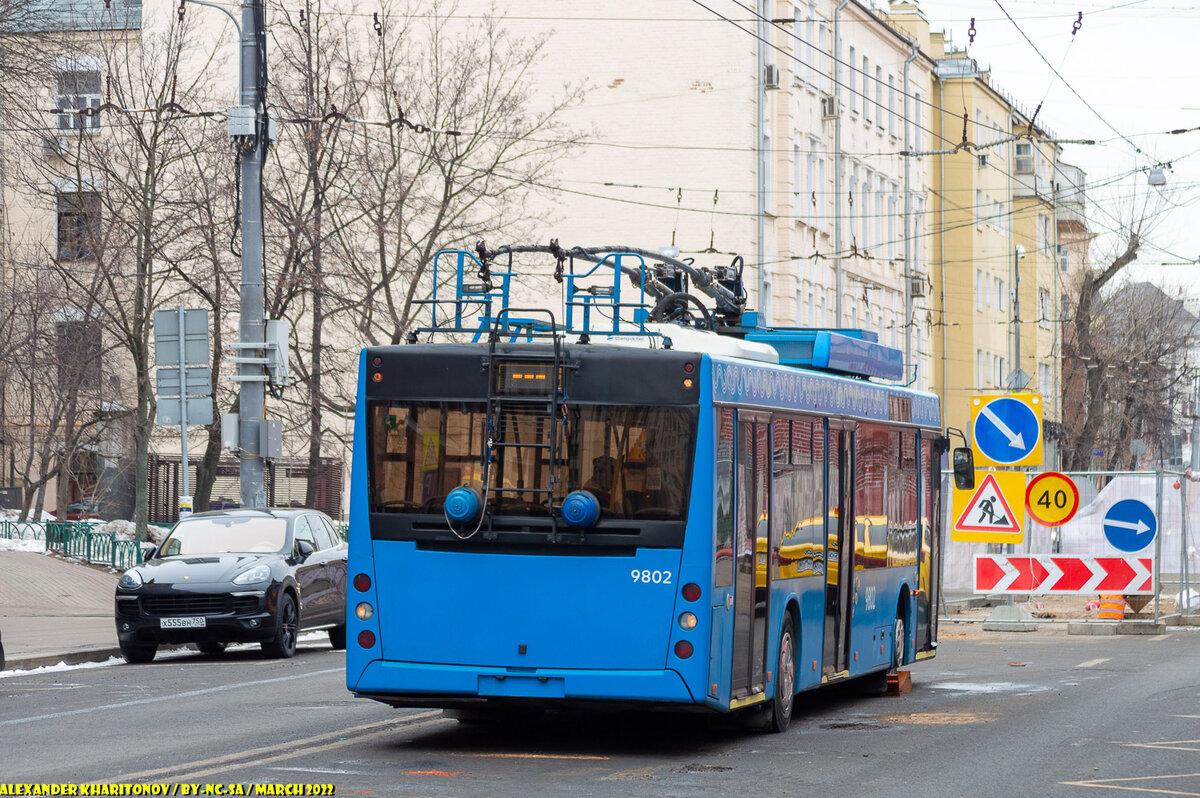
[1169, 745]
[1109, 784]
[1091, 663]
[290, 749]
[172, 697]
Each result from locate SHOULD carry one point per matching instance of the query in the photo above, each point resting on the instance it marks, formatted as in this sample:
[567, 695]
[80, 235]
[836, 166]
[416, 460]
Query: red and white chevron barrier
[1056, 573]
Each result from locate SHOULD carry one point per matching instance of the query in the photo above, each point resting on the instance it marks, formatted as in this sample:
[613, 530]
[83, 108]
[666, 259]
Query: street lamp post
[1015, 375]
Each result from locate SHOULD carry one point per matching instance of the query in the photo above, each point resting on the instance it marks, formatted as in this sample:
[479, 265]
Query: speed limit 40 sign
[1051, 499]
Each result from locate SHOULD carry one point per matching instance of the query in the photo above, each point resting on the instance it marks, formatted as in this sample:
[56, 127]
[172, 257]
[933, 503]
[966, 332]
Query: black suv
[235, 576]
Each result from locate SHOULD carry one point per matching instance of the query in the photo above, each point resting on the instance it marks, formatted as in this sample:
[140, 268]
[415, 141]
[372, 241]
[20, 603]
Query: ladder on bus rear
[525, 394]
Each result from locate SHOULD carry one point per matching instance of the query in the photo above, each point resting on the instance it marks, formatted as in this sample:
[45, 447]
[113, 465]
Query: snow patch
[38, 546]
[124, 530]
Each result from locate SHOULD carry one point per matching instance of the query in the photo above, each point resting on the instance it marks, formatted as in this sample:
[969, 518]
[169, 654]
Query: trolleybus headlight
[366, 638]
[691, 591]
[581, 508]
[362, 583]
[463, 504]
[683, 649]
[687, 621]
[364, 611]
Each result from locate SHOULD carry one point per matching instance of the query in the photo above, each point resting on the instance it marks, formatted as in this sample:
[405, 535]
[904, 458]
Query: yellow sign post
[994, 512]
[1051, 499]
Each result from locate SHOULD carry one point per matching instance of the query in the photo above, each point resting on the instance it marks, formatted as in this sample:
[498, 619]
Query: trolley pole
[251, 327]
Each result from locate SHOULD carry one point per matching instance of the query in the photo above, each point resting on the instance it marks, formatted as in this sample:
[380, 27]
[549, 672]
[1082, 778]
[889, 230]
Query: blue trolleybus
[640, 502]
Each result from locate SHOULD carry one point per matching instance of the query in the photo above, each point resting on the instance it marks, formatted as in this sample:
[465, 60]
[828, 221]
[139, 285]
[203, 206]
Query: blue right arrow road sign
[1130, 525]
[1006, 430]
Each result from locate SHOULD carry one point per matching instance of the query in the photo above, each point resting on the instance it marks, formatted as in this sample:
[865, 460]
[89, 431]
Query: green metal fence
[76, 539]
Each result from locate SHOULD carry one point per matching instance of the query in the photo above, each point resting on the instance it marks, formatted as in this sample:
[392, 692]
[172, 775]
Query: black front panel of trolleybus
[591, 374]
[624, 428]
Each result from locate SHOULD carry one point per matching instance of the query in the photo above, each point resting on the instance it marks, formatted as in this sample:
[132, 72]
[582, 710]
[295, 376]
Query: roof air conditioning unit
[771, 76]
[983, 160]
[828, 107]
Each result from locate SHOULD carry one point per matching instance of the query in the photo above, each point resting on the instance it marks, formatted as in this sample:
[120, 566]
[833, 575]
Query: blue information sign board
[1130, 525]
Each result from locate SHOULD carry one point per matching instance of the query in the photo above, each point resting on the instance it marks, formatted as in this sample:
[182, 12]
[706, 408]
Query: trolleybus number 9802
[655, 577]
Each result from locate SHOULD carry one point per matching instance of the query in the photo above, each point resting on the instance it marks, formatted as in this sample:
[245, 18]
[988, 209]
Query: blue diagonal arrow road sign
[1006, 430]
[1130, 525]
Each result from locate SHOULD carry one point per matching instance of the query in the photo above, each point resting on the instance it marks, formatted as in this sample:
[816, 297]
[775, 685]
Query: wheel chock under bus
[899, 682]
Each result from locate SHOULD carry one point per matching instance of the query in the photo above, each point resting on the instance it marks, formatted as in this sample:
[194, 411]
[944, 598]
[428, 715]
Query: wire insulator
[971, 31]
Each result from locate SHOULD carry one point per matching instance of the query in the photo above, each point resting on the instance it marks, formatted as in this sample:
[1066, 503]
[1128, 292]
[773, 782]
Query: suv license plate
[182, 623]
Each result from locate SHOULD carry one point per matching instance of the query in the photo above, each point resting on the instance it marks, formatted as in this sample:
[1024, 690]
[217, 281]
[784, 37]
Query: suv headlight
[259, 573]
[130, 580]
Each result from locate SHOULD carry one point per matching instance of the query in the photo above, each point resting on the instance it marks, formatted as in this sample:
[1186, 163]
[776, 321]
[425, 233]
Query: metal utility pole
[251, 374]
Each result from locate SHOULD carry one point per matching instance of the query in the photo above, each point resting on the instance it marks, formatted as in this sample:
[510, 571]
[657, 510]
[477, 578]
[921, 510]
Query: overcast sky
[1135, 63]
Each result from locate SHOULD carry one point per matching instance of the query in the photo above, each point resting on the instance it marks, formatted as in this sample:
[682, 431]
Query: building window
[891, 227]
[917, 116]
[78, 225]
[891, 105]
[77, 88]
[866, 88]
[797, 178]
[879, 96]
[1064, 261]
[1044, 307]
[979, 290]
[979, 372]
[78, 349]
[851, 61]
[978, 209]
[824, 76]
[1024, 158]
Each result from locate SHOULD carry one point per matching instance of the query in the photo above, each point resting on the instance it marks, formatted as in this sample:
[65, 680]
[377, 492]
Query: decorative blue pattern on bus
[787, 389]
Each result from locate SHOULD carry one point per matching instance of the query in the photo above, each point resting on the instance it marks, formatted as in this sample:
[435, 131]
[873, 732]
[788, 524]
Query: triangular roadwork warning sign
[988, 511]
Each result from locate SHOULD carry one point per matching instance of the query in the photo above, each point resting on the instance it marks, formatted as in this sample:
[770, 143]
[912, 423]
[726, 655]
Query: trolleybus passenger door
[839, 550]
[750, 580]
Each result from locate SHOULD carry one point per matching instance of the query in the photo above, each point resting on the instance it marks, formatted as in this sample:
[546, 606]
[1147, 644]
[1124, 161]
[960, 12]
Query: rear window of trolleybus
[636, 460]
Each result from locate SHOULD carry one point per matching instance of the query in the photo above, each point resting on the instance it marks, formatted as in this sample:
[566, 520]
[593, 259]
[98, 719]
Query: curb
[71, 658]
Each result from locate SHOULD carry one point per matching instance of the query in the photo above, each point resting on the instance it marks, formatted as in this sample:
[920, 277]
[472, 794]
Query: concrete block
[1010, 618]
[1091, 628]
[1140, 628]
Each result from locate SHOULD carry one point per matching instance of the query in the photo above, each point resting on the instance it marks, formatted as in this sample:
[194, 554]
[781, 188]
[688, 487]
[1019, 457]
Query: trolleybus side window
[903, 493]
[723, 568]
[873, 455]
[797, 544]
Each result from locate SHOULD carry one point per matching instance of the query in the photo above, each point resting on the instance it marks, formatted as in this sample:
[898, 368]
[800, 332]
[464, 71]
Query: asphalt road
[993, 715]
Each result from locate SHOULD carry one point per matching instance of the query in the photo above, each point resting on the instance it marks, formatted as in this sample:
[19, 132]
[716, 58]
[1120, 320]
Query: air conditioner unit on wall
[917, 285]
[828, 107]
[54, 145]
[771, 76]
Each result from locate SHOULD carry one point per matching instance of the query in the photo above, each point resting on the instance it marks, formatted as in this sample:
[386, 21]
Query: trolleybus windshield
[636, 460]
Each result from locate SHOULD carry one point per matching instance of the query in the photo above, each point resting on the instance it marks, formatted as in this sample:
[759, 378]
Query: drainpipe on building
[942, 237]
[837, 159]
[908, 239]
[763, 16]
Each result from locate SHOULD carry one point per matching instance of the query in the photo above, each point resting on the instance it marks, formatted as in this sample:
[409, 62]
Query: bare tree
[120, 184]
[1124, 353]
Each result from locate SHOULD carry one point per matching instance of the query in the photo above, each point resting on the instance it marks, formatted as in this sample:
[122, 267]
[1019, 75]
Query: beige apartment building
[821, 142]
[996, 275]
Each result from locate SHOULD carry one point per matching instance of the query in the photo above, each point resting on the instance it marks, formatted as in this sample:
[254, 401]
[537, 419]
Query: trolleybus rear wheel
[785, 679]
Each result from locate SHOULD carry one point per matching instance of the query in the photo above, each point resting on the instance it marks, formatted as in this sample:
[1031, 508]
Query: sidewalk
[54, 611]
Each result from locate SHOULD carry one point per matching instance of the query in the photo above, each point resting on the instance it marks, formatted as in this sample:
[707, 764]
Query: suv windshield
[225, 535]
[636, 460]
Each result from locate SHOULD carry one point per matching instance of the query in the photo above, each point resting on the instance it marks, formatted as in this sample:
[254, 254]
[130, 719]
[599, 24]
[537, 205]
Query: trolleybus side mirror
[964, 468]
